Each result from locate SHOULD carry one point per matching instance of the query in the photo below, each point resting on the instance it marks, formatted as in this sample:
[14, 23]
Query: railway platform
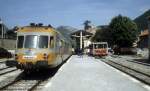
[84, 73]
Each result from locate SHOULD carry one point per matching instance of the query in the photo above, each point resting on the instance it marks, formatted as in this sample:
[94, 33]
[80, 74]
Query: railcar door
[59, 50]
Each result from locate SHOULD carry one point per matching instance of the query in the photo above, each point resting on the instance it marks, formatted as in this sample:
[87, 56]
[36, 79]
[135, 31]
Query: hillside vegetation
[141, 21]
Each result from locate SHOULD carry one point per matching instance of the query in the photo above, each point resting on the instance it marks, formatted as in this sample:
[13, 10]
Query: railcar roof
[42, 29]
[36, 29]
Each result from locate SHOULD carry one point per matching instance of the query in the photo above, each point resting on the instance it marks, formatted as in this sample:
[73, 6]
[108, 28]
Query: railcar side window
[43, 42]
[51, 42]
[20, 41]
[61, 43]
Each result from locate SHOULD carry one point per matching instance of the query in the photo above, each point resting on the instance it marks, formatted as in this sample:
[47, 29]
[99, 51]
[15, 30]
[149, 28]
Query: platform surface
[90, 74]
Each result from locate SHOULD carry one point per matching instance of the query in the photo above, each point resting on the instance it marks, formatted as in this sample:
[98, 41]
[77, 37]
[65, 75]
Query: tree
[11, 34]
[86, 24]
[103, 35]
[124, 31]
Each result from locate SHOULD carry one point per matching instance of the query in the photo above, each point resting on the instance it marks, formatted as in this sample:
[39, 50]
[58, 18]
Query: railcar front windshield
[100, 46]
[31, 41]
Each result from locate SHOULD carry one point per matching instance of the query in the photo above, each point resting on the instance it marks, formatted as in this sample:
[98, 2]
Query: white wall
[8, 44]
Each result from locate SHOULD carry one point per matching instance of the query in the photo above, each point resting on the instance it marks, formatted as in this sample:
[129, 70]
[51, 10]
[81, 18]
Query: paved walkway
[90, 74]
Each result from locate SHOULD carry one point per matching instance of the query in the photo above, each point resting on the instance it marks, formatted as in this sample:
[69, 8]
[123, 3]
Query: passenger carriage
[99, 49]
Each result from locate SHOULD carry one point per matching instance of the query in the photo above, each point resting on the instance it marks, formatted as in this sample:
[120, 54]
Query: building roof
[84, 33]
[144, 33]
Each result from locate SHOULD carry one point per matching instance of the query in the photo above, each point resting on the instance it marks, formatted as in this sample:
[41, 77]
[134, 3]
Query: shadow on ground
[147, 61]
[37, 75]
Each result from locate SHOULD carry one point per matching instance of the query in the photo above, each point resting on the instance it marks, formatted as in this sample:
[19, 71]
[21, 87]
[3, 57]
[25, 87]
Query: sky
[68, 12]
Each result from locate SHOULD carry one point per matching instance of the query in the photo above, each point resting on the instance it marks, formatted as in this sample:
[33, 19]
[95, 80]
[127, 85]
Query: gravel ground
[23, 85]
[8, 78]
[5, 59]
[2, 65]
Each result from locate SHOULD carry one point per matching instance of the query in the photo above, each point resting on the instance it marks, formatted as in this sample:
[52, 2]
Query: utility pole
[149, 35]
[2, 30]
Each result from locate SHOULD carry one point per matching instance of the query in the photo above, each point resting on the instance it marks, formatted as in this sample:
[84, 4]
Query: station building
[81, 38]
[143, 39]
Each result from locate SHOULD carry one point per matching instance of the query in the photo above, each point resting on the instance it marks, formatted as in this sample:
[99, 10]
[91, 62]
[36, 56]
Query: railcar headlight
[45, 56]
[16, 56]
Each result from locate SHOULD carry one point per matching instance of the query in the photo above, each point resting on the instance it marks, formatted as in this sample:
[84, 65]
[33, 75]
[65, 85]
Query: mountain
[66, 30]
[141, 20]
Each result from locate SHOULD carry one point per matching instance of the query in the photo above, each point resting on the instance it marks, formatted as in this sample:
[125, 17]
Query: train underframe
[29, 65]
[43, 64]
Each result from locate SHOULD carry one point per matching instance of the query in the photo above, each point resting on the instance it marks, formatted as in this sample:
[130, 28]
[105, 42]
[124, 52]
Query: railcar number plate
[29, 57]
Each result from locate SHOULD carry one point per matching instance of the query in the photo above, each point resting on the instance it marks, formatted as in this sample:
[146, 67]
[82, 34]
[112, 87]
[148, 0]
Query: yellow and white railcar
[40, 47]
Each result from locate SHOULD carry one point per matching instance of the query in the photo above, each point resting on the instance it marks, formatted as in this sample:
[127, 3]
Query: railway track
[7, 70]
[34, 81]
[23, 82]
[40, 86]
[4, 68]
[137, 64]
[134, 60]
[2, 62]
[143, 77]
[146, 64]
[21, 85]
[2, 65]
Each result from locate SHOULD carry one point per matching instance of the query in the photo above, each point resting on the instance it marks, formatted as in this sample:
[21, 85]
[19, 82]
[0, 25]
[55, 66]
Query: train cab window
[20, 41]
[104, 46]
[100, 46]
[96, 46]
[43, 42]
[51, 42]
[31, 41]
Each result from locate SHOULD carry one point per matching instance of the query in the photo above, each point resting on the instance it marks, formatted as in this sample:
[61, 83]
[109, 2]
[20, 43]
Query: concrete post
[2, 30]
[149, 35]
[81, 39]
